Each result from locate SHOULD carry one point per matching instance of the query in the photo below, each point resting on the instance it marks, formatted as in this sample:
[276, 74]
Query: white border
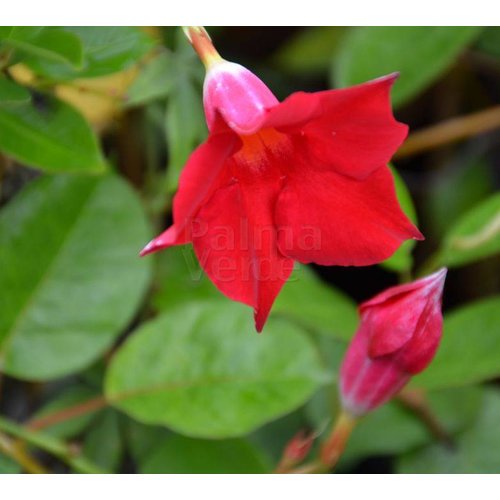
[251, 12]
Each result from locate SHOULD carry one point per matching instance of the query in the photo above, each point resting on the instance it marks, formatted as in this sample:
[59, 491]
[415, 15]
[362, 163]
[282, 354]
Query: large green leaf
[183, 455]
[470, 348]
[420, 53]
[45, 43]
[106, 49]
[51, 136]
[474, 236]
[12, 93]
[203, 371]
[474, 452]
[392, 429]
[69, 273]
[402, 260]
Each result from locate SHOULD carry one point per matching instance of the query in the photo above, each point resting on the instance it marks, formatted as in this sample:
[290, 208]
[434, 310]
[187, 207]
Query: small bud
[398, 337]
[230, 89]
[298, 447]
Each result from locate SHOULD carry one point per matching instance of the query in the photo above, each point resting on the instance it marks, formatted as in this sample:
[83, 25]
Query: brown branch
[68, 413]
[450, 131]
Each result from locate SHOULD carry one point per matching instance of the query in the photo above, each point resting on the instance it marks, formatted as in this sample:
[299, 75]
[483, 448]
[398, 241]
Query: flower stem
[69, 413]
[51, 445]
[17, 453]
[335, 444]
[416, 401]
[202, 43]
[450, 131]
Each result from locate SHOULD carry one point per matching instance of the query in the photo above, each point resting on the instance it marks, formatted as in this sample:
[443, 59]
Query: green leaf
[455, 190]
[52, 136]
[326, 309]
[475, 451]
[141, 440]
[474, 236]
[184, 124]
[420, 53]
[310, 50]
[12, 93]
[489, 41]
[392, 429]
[183, 455]
[52, 44]
[154, 81]
[8, 466]
[72, 396]
[179, 279]
[106, 49]
[470, 348]
[402, 260]
[68, 258]
[201, 370]
[103, 445]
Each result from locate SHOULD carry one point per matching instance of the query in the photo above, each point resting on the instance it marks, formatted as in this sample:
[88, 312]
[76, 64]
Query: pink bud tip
[239, 96]
[398, 336]
[298, 447]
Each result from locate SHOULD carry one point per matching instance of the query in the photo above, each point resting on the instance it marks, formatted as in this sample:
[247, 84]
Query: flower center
[263, 150]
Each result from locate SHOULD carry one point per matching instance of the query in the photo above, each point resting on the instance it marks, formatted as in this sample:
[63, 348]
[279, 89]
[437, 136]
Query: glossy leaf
[475, 451]
[201, 370]
[474, 236]
[183, 455]
[68, 258]
[51, 136]
[45, 43]
[106, 49]
[402, 259]
[12, 93]
[470, 348]
[420, 53]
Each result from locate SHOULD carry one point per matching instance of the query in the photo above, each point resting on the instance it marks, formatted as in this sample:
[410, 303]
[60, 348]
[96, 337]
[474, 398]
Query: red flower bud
[398, 336]
[298, 447]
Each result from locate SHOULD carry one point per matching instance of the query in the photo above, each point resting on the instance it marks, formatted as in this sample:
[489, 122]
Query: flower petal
[196, 183]
[238, 249]
[331, 219]
[356, 132]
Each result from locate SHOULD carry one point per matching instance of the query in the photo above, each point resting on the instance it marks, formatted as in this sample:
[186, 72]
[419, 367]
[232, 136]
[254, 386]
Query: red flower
[305, 179]
[398, 336]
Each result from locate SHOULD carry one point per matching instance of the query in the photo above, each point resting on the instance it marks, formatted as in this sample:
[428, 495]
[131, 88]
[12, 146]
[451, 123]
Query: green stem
[19, 455]
[51, 445]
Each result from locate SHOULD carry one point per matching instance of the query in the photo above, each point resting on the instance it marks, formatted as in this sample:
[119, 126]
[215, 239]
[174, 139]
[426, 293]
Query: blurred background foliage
[114, 363]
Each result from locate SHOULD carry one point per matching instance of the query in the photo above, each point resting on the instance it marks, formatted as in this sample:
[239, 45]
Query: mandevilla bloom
[398, 336]
[305, 179]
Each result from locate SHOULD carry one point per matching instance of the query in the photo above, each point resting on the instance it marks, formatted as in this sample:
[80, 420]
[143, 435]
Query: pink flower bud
[398, 337]
[238, 95]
